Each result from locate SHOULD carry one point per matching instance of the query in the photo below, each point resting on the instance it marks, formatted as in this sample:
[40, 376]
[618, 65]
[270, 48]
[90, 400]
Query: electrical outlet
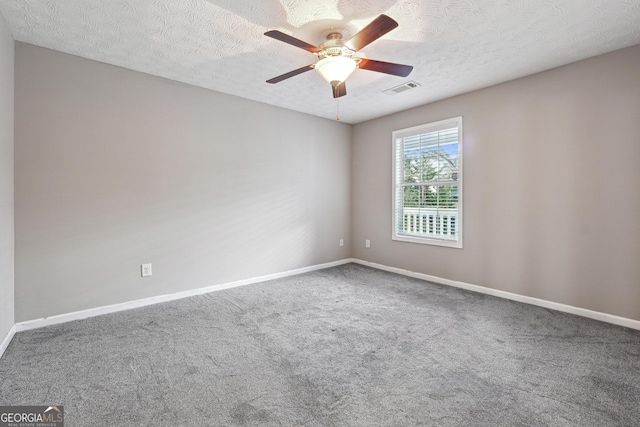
[367, 243]
[341, 242]
[146, 269]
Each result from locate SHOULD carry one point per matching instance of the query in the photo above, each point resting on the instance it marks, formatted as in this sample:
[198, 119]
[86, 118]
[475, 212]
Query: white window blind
[427, 163]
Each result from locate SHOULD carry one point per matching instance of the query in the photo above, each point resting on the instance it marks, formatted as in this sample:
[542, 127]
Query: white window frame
[397, 181]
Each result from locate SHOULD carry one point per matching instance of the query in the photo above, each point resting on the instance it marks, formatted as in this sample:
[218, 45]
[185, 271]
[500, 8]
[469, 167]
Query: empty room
[319, 213]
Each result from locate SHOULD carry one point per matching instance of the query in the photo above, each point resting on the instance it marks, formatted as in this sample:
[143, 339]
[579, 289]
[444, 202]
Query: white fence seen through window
[436, 223]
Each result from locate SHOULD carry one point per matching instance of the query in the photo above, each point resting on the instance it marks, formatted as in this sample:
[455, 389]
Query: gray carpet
[346, 346]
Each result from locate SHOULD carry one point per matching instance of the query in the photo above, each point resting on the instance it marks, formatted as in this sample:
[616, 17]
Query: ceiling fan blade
[385, 67]
[290, 74]
[339, 90]
[278, 35]
[376, 29]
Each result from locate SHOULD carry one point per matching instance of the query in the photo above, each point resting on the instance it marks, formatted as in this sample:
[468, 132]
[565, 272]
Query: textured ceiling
[455, 46]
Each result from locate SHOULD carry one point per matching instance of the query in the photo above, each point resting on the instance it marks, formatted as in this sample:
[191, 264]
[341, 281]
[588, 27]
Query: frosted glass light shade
[335, 68]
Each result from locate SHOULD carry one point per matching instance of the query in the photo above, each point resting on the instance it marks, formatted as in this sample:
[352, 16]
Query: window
[427, 189]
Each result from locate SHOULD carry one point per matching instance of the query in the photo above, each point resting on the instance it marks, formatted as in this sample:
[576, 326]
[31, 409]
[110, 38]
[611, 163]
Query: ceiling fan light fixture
[335, 68]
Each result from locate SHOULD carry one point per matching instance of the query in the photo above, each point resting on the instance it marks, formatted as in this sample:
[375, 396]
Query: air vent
[402, 88]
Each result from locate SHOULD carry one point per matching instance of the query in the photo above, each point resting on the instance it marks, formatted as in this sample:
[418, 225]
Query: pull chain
[338, 108]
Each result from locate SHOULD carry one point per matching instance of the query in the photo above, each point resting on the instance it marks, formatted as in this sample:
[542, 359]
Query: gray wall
[551, 187]
[116, 168]
[6, 180]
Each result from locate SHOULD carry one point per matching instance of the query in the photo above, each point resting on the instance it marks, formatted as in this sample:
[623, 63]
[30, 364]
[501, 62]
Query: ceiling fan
[338, 59]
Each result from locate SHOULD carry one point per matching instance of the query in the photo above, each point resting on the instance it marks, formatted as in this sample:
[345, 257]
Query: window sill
[428, 241]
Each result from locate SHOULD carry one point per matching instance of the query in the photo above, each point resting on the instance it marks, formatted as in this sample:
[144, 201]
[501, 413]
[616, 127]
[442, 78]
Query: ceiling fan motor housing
[334, 46]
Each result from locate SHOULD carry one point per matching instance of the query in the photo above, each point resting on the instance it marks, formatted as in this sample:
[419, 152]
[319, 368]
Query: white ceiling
[455, 46]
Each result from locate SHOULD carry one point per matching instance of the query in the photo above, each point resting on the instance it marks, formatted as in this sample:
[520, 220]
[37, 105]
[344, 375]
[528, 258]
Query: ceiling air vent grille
[402, 88]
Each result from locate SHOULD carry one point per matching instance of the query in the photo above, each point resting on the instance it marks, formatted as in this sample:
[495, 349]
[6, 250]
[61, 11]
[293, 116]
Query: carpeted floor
[345, 346]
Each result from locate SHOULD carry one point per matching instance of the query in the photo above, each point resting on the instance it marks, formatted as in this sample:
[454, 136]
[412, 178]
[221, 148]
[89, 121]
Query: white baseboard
[84, 314]
[92, 312]
[604, 317]
[7, 340]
